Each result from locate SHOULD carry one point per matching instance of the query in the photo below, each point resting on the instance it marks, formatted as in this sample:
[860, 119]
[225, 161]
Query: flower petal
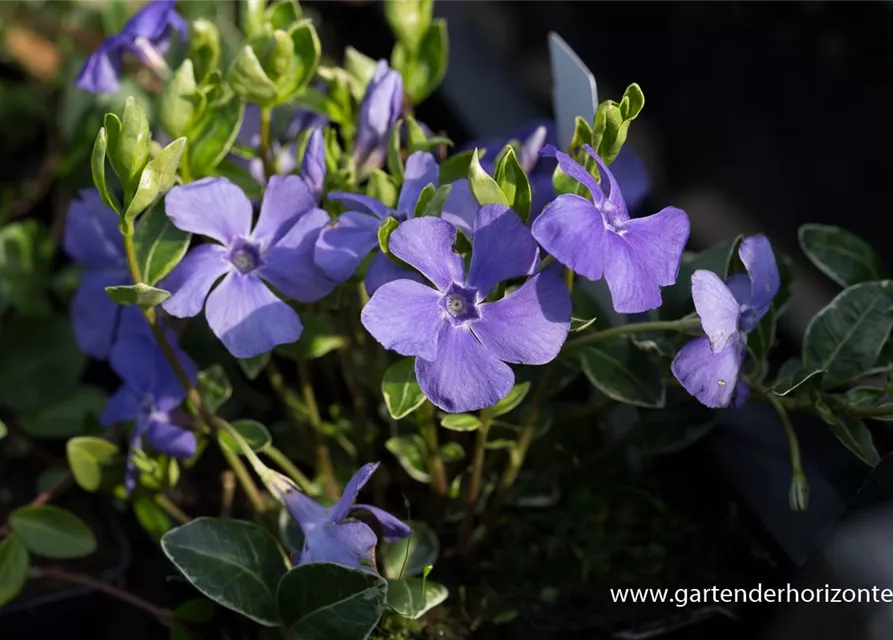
[151, 21]
[576, 171]
[121, 407]
[759, 260]
[306, 511]
[658, 242]
[530, 325]
[405, 316]
[421, 170]
[633, 290]
[379, 110]
[357, 481]
[313, 166]
[248, 318]
[361, 203]
[464, 376]
[460, 207]
[139, 361]
[290, 264]
[383, 270]
[101, 72]
[285, 199]
[171, 440]
[212, 207]
[192, 279]
[92, 237]
[717, 307]
[427, 244]
[350, 544]
[93, 314]
[573, 231]
[710, 377]
[392, 528]
[614, 205]
[502, 249]
[342, 246]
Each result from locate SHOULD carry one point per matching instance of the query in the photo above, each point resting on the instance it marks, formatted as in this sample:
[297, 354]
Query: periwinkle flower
[242, 311]
[379, 111]
[149, 395]
[595, 237]
[709, 367]
[462, 343]
[329, 537]
[146, 36]
[343, 245]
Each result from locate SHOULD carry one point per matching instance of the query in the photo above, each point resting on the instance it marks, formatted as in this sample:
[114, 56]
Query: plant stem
[172, 509]
[165, 616]
[290, 469]
[474, 483]
[435, 463]
[265, 116]
[880, 411]
[797, 475]
[682, 324]
[323, 456]
[245, 479]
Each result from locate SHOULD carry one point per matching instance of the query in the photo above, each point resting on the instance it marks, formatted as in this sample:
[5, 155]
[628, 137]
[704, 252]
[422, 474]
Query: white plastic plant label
[574, 93]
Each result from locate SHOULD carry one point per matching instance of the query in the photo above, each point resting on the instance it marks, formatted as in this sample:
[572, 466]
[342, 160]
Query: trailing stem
[474, 482]
[428, 427]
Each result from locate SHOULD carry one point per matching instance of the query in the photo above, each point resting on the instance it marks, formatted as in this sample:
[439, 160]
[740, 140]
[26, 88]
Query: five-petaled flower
[461, 342]
[596, 237]
[709, 367]
[247, 317]
[329, 537]
[146, 36]
[149, 395]
[379, 111]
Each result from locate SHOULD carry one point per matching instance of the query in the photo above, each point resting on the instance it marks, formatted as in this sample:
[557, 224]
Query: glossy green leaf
[612, 121]
[157, 178]
[460, 422]
[278, 56]
[623, 373]
[483, 187]
[159, 245]
[214, 386]
[139, 293]
[152, 518]
[414, 597]
[867, 398]
[409, 20]
[382, 187]
[204, 48]
[234, 563]
[254, 433]
[512, 400]
[305, 55]
[248, 79]
[514, 183]
[52, 532]
[128, 144]
[97, 166]
[409, 556]
[66, 418]
[582, 135]
[385, 229]
[841, 255]
[856, 437]
[178, 102]
[322, 601]
[88, 458]
[360, 66]
[456, 167]
[3, 430]
[846, 337]
[14, 564]
[213, 136]
[423, 73]
[394, 157]
[253, 367]
[283, 14]
[401, 392]
[253, 18]
[451, 452]
[795, 377]
[433, 205]
[26, 254]
[410, 453]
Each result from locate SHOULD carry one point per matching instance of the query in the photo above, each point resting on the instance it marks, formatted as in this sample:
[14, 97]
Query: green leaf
[382, 187]
[624, 373]
[582, 135]
[451, 452]
[484, 188]
[856, 437]
[26, 254]
[234, 563]
[52, 532]
[139, 293]
[514, 183]
[283, 14]
[306, 52]
[512, 400]
[410, 453]
[360, 66]
[40, 362]
[414, 597]
[213, 136]
[178, 102]
[401, 391]
[433, 205]
[14, 563]
[762, 338]
[385, 229]
[152, 518]
[157, 178]
[97, 166]
[253, 367]
[277, 60]
[409, 556]
[88, 458]
[254, 433]
[455, 167]
[204, 48]
[409, 20]
[253, 18]
[248, 79]
[423, 73]
[867, 398]
[214, 387]
[128, 144]
[612, 122]
[3, 430]
[65, 418]
[796, 379]
[158, 244]
[322, 601]
[846, 337]
[460, 422]
[394, 158]
[841, 255]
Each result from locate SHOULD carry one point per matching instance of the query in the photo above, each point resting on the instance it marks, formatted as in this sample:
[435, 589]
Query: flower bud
[798, 496]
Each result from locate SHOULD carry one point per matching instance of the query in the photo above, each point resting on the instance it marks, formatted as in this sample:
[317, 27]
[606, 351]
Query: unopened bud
[798, 496]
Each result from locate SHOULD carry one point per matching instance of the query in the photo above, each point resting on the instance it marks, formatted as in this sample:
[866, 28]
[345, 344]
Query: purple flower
[709, 367]
[313, 166]
[329, 538]
[247, 317]
[148, 396]
[461, 343]
[596, 237]
[379, 111]
[146, 36]
[343, 245]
